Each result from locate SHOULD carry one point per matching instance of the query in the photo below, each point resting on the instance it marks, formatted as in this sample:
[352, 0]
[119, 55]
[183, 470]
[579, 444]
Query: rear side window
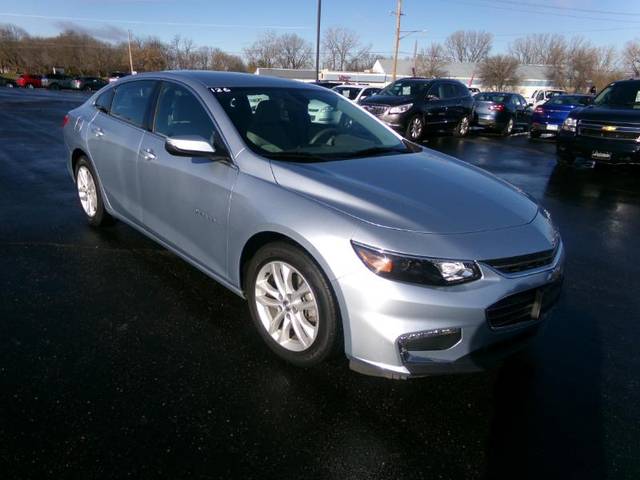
[180, 113]
[103, 102]
[131, 100]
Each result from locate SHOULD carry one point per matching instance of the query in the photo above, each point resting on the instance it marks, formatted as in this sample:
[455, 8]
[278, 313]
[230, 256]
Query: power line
[536, 12]
[145, 22]
[568, 9]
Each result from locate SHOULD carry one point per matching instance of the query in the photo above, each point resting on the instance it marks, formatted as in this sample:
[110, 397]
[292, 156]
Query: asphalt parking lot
[119, 360]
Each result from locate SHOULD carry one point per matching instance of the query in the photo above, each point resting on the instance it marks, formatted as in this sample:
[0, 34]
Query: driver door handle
[148, 154]
[97, 131]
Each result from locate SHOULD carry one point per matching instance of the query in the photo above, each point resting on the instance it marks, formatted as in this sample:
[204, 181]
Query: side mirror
[430, 98]
[529, 104]
[189, 146]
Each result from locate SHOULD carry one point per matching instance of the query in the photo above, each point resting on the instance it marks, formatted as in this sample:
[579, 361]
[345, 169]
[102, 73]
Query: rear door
[114, 140]
[185, 200]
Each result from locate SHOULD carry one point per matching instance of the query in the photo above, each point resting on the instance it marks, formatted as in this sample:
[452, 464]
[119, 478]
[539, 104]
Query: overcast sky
[234, 24]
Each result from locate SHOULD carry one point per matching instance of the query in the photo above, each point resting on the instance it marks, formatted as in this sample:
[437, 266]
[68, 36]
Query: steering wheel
[327, 132]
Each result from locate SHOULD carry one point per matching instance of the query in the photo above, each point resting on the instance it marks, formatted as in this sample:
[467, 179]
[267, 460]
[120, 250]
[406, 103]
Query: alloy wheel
[87, 191]
[416, 128]
[464, 126]
[286, 305]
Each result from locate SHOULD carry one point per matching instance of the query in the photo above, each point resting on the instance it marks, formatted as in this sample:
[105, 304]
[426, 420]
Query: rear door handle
[148, 154]
[97, 131]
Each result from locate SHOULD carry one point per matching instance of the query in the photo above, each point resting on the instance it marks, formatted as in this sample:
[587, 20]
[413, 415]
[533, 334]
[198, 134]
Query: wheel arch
[270, 235]
[75, 157]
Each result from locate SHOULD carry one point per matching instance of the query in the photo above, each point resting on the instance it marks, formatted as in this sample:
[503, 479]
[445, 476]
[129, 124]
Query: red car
[29, 81]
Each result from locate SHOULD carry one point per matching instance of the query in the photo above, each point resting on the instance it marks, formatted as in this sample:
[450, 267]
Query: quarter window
[180, 113]
[131, 100]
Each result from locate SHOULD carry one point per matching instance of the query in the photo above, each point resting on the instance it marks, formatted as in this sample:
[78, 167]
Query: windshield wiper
[368, 152]
[301, 156]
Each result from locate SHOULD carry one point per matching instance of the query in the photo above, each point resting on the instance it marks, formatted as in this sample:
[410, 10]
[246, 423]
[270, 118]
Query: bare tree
[263, 52]
[362, 60]
[631, 56]
[225, 62]
[431, 61]
[499, 72]
[536, 48]
[340, 46]
[293, 51]
[468, 45]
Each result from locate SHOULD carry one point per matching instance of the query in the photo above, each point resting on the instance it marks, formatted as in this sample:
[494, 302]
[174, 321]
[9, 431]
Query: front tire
[563, 158]
[534, 133]
[415, 128]
[292, 304]
[89, 194]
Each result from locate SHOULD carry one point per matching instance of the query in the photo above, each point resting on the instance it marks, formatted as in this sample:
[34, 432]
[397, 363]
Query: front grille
[610, 131]
[522, 263]
[524, 306]
[376, 110]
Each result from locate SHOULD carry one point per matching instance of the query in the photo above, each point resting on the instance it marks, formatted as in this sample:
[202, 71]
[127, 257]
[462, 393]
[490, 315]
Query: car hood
[424, 192]
[387, 100]
[604, 113]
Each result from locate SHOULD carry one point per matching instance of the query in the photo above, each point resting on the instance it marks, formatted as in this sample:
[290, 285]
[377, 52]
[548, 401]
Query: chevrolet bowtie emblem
[609, 128]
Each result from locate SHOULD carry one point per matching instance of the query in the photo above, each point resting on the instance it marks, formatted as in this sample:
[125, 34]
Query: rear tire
[508, 128]
[274, 277]
[89, 194]
[462, 129]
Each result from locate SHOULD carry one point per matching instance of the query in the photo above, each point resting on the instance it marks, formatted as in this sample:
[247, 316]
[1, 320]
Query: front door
[185, 200]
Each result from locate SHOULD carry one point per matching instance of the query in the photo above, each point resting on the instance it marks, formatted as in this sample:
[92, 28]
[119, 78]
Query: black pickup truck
[607, 131]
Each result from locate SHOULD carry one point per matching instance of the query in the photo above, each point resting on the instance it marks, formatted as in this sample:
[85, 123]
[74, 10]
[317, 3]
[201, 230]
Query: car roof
[227, 79]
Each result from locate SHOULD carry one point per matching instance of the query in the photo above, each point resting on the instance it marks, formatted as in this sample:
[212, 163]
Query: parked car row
[56, 81]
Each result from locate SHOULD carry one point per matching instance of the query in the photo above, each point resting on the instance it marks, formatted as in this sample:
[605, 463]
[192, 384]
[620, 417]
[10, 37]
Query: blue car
[548, 117]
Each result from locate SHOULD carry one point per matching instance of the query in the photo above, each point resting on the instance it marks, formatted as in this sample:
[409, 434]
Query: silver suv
[342, 236]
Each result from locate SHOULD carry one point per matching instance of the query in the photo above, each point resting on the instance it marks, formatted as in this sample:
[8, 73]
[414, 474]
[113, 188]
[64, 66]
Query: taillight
[496, 108]
[65, 120]
[539, 110]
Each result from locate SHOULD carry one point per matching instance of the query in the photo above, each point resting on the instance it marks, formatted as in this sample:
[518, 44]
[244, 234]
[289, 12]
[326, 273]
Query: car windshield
[403, 88]
[569, 100]
[620, 95]
[350, 92]
[491, 97]
[304, 124]
[552, 93]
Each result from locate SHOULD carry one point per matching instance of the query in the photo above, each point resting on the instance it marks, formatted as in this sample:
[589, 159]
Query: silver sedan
[342, 236]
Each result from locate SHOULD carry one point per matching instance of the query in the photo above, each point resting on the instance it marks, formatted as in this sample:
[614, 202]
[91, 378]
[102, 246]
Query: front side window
[449, 90]
[303, 124]
[131, 100]
[179, 113]
[403, 88]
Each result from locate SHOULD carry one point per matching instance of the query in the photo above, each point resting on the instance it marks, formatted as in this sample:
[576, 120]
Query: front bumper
[601, 150]
[382, 313]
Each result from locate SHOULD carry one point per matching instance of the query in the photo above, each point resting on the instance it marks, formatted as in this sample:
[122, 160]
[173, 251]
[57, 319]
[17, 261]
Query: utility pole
[395, 55]
[130, 56]
[415, 58]
[318, 41]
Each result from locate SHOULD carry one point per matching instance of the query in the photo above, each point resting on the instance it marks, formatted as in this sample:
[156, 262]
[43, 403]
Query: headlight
[400, 108]
[427, 271]
[570, 124]
[556, 233]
